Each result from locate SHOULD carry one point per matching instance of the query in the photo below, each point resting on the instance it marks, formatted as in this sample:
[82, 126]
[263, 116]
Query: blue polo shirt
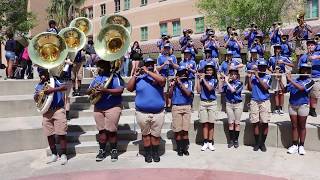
[298, 97]
[149, 96]
[187, 63]
[276, 38]
[273, 61]
[259, 48]
[234, 47]
[285, 50]
[215, 51]
[304, 32]
[259, 94]
[226, 37]
[167, 70]
[317, 48]
[315, 64]
[250, 65]
[224, 65]
[178, 97]
[107, 100]
[250, 37]
[57, 101]
[205, 94]
[183, 41]
[233, 97]
[204, 62]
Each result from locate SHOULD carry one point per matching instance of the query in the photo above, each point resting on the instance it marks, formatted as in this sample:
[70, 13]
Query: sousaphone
[47, 50]
[116, 19]
[83, 24]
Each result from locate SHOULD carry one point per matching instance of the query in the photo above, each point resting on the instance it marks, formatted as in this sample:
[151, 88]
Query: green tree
[241, 13]
[63, 11]
[15, 18]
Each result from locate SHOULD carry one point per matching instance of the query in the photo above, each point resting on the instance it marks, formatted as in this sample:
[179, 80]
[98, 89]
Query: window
[90, 12]
[144, 2]
[312, 9]
[144, 33]
[126, 4]
[176, 28]
[199, 25]
[116, 5]
[103, 9]
[163, 28]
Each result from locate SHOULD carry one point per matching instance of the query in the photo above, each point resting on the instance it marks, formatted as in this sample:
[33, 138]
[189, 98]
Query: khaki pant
[55, 122]
[302, 110]
[150, 123]
[77, 71]
[234, 112]
[315, 91]
[181, 116]
[208, 111]
[260, 111]
[107, 119]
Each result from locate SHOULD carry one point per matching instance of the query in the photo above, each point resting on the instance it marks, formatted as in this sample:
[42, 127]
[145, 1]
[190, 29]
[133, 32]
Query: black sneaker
[256, 147]
[236, 144]
[114, 155]
[156, 156]
[230, 144]
[263, 147]
[101, 155]
[148, 158]
[312, 113]
[186, 152]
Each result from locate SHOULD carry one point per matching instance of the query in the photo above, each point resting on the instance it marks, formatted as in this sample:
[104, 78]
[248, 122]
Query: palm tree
[63, 11]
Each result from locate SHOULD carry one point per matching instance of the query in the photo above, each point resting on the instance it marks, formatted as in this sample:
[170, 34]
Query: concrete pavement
[275, 162]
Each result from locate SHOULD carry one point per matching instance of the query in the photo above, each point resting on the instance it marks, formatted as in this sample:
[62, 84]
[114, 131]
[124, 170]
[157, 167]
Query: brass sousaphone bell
[83, 24]
[116, 19]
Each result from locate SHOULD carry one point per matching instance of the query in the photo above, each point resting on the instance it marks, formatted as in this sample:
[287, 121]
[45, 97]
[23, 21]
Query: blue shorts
[10, 55]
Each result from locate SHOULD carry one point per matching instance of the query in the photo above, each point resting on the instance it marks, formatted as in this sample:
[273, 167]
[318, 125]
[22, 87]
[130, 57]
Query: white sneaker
[52, 158]
[205, 146]
[293, 149]
[276, 112]
[63, 159]
[281, 112]
[301, 150]
[211, 147]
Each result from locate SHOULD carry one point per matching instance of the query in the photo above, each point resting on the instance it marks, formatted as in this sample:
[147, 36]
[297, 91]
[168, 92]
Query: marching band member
[205, 36]
[235, 45]
[190, 65]
[275, 34]
[181, 92]
[208, 59]
[317, 40]
[108, 109]
[258, 45]
[191, 48]
[166, 64]
[299, 90]
[77, 71]
[149, 102]
[226, 63]
[259, 84]
[313, 58]
[206, 85]
[251, 34]
[54, 120]
[185, 38]
[232, 87]
[212, 44]
[279, 65]
[301, 35]
[228, 35]
[164, 40]
[286, 46]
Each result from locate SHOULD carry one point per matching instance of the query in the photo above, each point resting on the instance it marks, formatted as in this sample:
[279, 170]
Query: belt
[181, 104]
[234, 102]
[54, 108]
[207, 100]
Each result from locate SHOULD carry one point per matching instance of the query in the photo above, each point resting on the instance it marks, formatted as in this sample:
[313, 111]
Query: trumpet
[189, 31]
[284, 38]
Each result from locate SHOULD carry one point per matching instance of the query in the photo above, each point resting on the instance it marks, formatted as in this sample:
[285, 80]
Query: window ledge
[116, 11]
[143, 5]
[126, 9]
[312, 19]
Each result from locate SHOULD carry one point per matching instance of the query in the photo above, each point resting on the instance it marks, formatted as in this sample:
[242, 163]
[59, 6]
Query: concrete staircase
[20, 124]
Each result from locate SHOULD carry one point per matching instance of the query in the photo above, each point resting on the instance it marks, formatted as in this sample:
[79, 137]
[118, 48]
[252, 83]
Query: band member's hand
[137, 72]
[48, 91]
[226, 79]
[256, 73]
[178, 80]
[170, 60]
[172, 82]
[167, 62]
[144, 69]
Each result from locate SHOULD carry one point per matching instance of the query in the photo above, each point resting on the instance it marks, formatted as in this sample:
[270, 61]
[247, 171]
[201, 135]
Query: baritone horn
[112, 42]
[83, 24]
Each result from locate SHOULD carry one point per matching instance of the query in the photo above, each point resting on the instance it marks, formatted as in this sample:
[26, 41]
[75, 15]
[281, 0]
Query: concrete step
[123, 146]
[25, 133]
